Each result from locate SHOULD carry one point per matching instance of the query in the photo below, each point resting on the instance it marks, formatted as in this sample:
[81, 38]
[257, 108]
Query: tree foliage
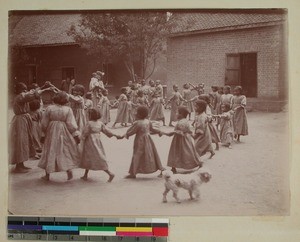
[137, 38]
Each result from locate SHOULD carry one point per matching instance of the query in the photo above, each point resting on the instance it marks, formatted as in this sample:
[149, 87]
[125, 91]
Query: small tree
[137, 38]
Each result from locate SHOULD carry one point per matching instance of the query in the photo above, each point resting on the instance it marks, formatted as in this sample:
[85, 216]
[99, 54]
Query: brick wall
[202, 57]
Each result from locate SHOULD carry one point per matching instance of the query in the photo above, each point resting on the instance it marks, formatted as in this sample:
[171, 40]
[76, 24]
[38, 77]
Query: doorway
[241, 70]
[68, 72]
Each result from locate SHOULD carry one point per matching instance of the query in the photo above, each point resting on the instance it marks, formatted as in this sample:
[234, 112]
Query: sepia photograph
[148, 112]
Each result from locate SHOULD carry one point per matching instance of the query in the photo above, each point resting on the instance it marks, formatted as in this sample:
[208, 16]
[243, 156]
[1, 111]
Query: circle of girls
[65, 134]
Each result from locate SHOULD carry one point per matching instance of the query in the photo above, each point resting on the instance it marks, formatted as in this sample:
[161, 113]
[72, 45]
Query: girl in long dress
[226, 125]
[227, 97]
[93, 155]
[60, 151]
[123, 112]
[175, 101]
[203, 141]
[213, 132]
[77, 104]
[21, 146]
[88, 104]
[157, 109]
[145, 159]
[105, 106]
[36, 116]
[240, 123]
[182, 152]
[187, 95]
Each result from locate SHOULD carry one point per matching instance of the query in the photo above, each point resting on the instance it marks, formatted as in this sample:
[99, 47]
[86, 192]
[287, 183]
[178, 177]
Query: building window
[241, 70]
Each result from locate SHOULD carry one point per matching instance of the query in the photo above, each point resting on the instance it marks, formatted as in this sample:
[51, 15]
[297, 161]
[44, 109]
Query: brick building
[246, 48]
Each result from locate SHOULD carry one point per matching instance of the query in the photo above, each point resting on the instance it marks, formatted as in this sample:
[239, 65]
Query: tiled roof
[42, 29]
[190, 22]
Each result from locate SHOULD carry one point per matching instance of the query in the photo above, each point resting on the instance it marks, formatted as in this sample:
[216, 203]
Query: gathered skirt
[21, 145]
[60, 151]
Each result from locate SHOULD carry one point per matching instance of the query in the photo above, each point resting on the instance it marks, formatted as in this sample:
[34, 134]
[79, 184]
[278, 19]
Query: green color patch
[96, 228]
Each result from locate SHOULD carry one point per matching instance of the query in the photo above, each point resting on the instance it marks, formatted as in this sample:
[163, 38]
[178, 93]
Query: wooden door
[249, 74]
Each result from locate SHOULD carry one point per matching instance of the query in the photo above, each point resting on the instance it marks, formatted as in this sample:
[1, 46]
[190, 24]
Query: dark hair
[227, 106]
[123, 90]
[34, 105]
[227, 88]
[175, 85]
[94, 114]
[238, 88]
[140, 92]
[117, 97]
[142, 112]
[79, 88]
[104, 91]
[201, 106]
[186, 85]
[88, 95]
[20, 87]
[61, 98]
[204, 97]
[183, 110]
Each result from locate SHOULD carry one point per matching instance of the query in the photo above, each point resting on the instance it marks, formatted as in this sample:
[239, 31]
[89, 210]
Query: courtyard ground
[250, 179]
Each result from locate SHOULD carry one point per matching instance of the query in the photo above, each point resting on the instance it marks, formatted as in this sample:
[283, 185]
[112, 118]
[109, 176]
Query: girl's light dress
[182, 152]
[145, 159]
[123, 112]
[157, 109]
[60, 151]
[77, 105]
[240, 123]
[93, 154]
[203, 141]
[21, 142]
[226, 127]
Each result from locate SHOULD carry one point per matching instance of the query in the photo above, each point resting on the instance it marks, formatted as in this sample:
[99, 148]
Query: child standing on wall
[240, 124]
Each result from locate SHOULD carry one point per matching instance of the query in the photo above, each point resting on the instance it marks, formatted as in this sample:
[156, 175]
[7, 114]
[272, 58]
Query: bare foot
[212, 154]
[45, 178]
[111, 177]
[70, 175]
[84, 178]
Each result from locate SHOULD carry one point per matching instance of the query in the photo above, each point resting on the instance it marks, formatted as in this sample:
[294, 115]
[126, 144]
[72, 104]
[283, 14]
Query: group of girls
[71, 121]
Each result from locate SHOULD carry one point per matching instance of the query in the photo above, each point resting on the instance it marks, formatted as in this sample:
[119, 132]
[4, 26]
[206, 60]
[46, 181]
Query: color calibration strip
[88, 229]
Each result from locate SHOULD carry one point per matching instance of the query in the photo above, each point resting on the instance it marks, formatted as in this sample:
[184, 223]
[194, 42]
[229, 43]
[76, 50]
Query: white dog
[190, 182]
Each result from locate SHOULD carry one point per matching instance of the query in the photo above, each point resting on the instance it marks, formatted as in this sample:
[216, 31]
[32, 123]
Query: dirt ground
[250, 179]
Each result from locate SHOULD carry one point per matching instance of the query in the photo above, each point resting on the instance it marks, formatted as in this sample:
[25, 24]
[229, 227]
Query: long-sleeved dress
[157, 109]
[175, 101]
[105, 109]
[218, 103]
[226, 128]
[203, 141]
[226, 99]
[77, 105]
[182, 152]
[145, 159]
[88, 104]
[60, 149]
[213, 132]
[36, 118]
[187, 95]
[240, 123]
[123, 112]
[93, 154]
[21, 145]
